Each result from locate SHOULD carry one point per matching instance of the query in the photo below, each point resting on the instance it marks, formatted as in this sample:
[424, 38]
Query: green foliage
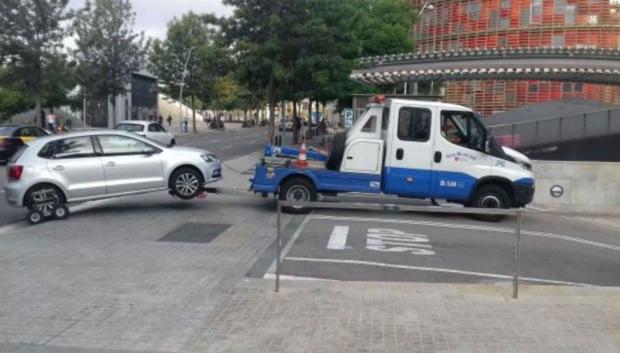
[31, 35]
[108, 49]
[384, 26]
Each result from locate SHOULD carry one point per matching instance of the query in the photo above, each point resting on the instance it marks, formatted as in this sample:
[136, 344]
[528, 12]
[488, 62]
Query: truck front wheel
[297, 190]
[490, 196]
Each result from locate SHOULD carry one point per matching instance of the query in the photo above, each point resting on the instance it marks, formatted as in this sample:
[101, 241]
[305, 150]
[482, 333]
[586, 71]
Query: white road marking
[227, 147]
[295, 278]
[289, 245]
[474, 227]
[338, 238]
[435, 269]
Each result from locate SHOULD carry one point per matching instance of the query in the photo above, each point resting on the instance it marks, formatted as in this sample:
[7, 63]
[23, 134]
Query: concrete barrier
[581, 186]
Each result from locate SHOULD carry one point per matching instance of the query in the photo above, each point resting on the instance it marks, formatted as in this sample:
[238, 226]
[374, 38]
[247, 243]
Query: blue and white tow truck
[408, 148]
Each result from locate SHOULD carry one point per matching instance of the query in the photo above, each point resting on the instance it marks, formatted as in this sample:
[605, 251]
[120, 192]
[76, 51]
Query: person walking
[296, 129]
[160, 120]
[169, 120]
[51, 122]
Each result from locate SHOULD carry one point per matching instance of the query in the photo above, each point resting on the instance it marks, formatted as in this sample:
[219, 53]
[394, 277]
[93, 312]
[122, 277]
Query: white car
[148, 129]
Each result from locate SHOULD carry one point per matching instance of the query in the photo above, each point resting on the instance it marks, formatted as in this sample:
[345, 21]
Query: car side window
[160, 128]
[414, 124]
[26, 132]
[121, 145]
[153, 128]
[38, 132]
[75, 147]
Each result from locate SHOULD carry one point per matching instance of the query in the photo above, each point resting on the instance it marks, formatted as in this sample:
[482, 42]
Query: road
[371, 246]
[226, 145]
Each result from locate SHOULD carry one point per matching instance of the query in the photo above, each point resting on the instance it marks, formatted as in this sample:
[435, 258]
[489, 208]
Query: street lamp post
[189, 54]
[428, 5]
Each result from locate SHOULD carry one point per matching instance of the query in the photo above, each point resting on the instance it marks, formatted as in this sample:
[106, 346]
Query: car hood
[518, 156]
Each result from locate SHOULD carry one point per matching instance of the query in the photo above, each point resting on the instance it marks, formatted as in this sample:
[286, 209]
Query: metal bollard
[278, 245]
[515, 281]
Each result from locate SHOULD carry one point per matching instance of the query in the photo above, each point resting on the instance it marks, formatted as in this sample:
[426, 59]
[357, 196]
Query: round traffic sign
[557, 191]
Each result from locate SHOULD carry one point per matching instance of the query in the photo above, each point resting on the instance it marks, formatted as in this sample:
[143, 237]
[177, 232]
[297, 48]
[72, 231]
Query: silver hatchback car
[53, 171]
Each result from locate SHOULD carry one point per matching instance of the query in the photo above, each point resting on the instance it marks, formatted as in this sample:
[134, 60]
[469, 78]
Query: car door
[408, 162]
[459, 155]
[158, 133]
[75, 165]
[130, 164]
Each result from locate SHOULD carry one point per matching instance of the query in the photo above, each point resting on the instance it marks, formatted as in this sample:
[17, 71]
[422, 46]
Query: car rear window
[19, 153]
[130, 127]
[6, 130]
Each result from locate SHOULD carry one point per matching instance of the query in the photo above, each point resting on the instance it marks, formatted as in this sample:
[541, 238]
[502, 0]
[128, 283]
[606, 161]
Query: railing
[558, 129]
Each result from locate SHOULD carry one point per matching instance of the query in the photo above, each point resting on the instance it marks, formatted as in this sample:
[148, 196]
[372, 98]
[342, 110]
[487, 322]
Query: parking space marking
[338, 238]
[473, 227]
[434, 269]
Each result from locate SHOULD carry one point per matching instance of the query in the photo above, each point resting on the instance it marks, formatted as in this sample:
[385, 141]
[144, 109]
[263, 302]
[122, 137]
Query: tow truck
[408, 148]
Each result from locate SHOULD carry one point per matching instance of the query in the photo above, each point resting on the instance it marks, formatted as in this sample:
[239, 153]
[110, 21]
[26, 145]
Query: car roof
[43, 140]
[137, 122]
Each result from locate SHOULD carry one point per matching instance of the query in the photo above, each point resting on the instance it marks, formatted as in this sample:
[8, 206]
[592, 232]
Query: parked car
[148, 129]
[58, 170]
[13, 137]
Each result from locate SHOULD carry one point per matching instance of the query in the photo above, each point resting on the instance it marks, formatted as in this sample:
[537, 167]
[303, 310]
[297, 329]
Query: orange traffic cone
[302, 161]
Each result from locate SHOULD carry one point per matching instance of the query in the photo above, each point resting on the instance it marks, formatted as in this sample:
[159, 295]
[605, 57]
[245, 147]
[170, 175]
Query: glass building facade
[461, 24]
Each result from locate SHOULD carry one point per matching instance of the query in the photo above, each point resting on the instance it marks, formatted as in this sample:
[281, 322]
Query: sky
[152, 16]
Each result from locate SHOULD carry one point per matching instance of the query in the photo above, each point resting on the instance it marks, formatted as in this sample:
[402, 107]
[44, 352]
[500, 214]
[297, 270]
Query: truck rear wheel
[490, 196]
[297, 190]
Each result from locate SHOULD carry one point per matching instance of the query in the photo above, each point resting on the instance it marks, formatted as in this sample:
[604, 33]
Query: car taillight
[5, 143]
[15, 172]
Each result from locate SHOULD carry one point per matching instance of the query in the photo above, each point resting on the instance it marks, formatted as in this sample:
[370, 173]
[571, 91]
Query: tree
[31, 35]
[200, 36]
[384, 26]
[108, 49]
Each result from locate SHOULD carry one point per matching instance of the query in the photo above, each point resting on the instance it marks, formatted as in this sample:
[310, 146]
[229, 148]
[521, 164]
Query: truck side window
[414, 124]
[371, 125]
[464, 129]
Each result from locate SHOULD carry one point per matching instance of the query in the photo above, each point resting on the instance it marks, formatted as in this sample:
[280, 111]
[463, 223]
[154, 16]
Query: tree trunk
[113, 112]
[310, 112]
[272, 109]
[194, 129]
[294, 109]
[38, 112]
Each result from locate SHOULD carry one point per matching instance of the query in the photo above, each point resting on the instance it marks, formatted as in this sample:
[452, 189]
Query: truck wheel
[186, 183]
[337, 153]
[490, 196]
[297, 190]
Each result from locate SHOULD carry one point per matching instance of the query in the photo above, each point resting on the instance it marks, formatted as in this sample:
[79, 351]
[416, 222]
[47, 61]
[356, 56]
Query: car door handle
[400, 153]
[59, 167]
[349, 157]
[437, 157]
[111, 164]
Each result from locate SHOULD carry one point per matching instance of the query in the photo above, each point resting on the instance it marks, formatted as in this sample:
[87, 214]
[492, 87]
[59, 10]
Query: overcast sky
[152, 16]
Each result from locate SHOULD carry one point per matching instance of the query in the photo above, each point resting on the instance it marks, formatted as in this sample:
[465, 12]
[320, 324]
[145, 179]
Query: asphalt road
[226, 145]
[391, 246]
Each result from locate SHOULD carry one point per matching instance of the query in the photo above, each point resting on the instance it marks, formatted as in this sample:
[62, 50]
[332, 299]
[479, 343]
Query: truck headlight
[209, 157]
[526, 166]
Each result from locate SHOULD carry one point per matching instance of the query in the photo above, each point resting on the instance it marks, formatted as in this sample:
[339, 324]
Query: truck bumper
[524, 194]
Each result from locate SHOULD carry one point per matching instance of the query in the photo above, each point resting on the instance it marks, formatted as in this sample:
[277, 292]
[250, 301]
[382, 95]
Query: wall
[588, 186]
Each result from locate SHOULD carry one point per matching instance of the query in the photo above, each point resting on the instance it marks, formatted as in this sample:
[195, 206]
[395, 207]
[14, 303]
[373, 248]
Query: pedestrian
[169, 120]
[51, 121]
[160, 120]
[185, 126]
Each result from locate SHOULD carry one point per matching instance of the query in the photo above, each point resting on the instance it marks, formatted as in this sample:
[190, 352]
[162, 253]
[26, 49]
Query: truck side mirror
[487, 145]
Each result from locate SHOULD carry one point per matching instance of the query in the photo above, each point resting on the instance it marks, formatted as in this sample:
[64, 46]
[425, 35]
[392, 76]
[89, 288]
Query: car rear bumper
[14, 194]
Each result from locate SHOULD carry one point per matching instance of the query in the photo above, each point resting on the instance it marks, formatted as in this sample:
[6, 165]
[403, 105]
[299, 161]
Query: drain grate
[195, 233]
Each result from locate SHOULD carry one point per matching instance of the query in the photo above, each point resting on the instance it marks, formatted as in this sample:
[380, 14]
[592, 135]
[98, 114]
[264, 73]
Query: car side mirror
[148, 151]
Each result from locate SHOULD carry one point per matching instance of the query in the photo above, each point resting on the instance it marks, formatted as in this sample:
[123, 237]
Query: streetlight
[189, 54]
[428, 5]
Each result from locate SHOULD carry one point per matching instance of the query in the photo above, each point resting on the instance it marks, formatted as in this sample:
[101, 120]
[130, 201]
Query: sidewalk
[329, 316]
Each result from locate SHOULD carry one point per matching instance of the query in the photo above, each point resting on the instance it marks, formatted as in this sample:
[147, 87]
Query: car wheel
[490, 196]
[44, 199]
[186, 183]
[297, 190]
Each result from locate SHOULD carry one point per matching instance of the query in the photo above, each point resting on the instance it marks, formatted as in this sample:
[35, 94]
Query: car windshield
[130, 127]
[6, 130]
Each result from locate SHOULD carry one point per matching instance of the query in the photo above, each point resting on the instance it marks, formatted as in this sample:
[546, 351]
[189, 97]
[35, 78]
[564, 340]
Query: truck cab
[415, 149]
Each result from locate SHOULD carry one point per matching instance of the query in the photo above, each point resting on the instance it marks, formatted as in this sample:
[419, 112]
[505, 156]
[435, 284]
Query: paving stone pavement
[331, 316]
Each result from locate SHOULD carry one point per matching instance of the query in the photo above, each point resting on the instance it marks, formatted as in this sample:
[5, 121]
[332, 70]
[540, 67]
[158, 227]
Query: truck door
[409, 156]
[459, 159]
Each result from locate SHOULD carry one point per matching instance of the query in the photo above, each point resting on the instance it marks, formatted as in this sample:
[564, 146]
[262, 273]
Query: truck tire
[297, 189]
[490, 196]
[337, 153]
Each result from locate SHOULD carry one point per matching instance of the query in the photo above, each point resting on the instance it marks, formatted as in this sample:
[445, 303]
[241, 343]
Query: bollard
[515, 281]
[278, 245]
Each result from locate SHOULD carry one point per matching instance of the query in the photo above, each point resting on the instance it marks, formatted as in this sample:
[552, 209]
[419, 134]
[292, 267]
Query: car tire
[44, 199]
[490, 196]
[297, 189]
[186, 183]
